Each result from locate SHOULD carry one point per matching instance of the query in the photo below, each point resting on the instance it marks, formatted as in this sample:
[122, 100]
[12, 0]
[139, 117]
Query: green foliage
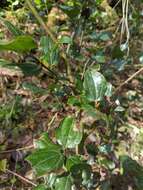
[50, 51]
[13, 29]
[67, 134]
[63, 183]
[20, 44]
[70, 73]
[46, 160]
[95, 86]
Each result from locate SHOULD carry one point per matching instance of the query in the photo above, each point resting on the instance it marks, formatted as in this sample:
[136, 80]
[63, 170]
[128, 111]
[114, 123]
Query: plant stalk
[47, 30]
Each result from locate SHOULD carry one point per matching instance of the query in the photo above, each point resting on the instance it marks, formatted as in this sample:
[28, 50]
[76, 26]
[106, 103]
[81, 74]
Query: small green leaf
[65, 40]
[13, 29]
[95, 85]
[71, 11]
[73, 160]
[141, 59]
[50, 51]
[67, 134]
[46, 160]
[99, 57]
[34, 89]
[64, 183]
[108, 92]
[50, 180]
[46, 142]
[3, 164]
[40, 187]
[20, 44]
[74, 101]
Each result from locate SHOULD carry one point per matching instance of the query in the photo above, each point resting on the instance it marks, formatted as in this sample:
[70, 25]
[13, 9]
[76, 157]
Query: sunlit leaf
[67, 134]
[95, 85]
[20, 44]
[46, 160]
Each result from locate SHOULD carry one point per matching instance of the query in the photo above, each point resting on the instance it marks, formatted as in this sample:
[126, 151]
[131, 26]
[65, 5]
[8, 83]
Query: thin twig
[21, 177]
[48, 31]
[84, 69]
[128, 80]
[18, 149]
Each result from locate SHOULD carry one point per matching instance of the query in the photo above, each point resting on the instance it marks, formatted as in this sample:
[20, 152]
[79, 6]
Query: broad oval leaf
[67, 134]
[63, 183]
[46, 160]
[20, 44]
[95, 85]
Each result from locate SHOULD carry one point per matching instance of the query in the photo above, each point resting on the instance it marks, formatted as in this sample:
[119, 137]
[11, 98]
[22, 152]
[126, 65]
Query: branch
[21, 177]
[128, 80]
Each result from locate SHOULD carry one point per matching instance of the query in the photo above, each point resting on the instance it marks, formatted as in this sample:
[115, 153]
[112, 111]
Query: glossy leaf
[64, 183]
[46, 160]
[95, 85]
[20, 44]
[67, 134]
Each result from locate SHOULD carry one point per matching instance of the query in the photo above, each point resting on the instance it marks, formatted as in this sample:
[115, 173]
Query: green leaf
[50, 180]
[72, 161]
[34, 89]
[13, 29]
[65, 40]
[63, 183]
[94, 113]
[117, 53]
[71, 10]
[40, 187]
[46, 160]
[141, 59]
[108, 92]
[95, 85]
[67, 134]
[20, 44]
[50, 51]
[45, 142]
[3, 164]
[99, 57]
[81, 173]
